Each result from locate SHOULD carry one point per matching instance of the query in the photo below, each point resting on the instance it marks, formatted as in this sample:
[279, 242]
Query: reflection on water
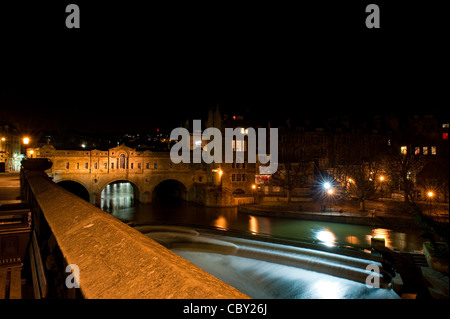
[253, 225]
[118, 199]
[326, 237]
[119, 195]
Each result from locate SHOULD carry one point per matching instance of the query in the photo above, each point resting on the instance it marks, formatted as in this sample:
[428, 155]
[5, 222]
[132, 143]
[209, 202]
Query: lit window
[238, 145]
[445, 125]
[445, 136]
[404, 150]
[425, 150]
[433, 150]
[417, 150]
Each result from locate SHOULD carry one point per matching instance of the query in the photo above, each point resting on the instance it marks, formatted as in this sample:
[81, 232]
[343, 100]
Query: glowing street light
[430, 194]
[327, 185]
[26, 140]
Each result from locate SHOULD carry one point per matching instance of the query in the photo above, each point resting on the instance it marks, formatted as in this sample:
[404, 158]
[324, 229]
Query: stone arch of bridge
[136, 187]
[76, 187]
[169, 188]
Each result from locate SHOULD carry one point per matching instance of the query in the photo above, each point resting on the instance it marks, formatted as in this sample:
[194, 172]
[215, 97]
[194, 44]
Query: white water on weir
[274, 271]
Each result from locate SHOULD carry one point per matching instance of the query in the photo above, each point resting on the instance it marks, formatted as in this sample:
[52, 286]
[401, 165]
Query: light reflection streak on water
[326, 237]
[220, 222]
[117, 195]
[253, 225]
[381, 233]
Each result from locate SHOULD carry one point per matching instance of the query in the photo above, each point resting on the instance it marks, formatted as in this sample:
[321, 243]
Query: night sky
[136, 68]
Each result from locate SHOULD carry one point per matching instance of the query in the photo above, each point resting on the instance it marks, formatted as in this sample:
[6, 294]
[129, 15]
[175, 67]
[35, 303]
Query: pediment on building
[121, 149]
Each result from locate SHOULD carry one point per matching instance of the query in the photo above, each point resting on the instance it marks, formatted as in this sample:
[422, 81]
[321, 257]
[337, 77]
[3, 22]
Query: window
[417, 150]
[147, 165]
[243, 177]
[433, 150]
[156, 165]
[233, 177]
[233, 165]
[131, 165]
[86, 165]
[238, 165]
[276, 189]
[112, 165]
[238, 145]
[139, 165]
[95, 165]
[446, 125]
[67, 165]
[78, 165]
[243, 165]
[105, 165]
[425, 150]
[404, 149]
[445, 136]
[238, 177]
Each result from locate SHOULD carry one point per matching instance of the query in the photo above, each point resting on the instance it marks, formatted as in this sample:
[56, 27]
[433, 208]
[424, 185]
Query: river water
[117, 199]
[261, 269]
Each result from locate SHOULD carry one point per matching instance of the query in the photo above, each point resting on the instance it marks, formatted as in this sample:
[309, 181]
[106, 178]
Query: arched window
[122, 161]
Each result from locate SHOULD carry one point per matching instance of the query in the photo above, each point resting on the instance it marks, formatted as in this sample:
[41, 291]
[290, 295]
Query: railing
[109, 259]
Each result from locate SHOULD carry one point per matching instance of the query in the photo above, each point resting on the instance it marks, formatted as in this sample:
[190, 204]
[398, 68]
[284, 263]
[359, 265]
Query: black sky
[136, 68]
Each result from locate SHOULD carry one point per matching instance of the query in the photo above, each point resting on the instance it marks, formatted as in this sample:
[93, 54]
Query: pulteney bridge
[145, 170]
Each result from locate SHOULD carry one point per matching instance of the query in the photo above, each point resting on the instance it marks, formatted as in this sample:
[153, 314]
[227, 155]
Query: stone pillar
[95, 199]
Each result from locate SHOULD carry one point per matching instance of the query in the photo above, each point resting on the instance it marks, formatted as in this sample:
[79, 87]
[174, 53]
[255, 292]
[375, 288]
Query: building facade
[10, 149]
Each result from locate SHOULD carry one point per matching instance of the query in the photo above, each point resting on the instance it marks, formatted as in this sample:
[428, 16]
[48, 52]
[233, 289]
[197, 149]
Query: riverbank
[377, 215]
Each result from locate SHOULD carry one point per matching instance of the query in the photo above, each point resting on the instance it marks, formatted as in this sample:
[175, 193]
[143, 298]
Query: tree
[357, 164]
[292, 161]
[402, 165]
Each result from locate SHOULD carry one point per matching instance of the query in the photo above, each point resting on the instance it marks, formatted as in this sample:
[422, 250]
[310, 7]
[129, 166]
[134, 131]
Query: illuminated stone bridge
[149, 173]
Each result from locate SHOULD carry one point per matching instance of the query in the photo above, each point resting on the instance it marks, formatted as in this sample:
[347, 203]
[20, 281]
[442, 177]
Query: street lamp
[26, 140]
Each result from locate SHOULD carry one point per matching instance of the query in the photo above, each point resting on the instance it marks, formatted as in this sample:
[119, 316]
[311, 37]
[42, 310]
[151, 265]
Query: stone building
[10, 148]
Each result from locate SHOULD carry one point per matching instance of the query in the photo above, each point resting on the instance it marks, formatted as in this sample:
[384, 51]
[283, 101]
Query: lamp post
[430, 196]
[330, 193]
[381, 185]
